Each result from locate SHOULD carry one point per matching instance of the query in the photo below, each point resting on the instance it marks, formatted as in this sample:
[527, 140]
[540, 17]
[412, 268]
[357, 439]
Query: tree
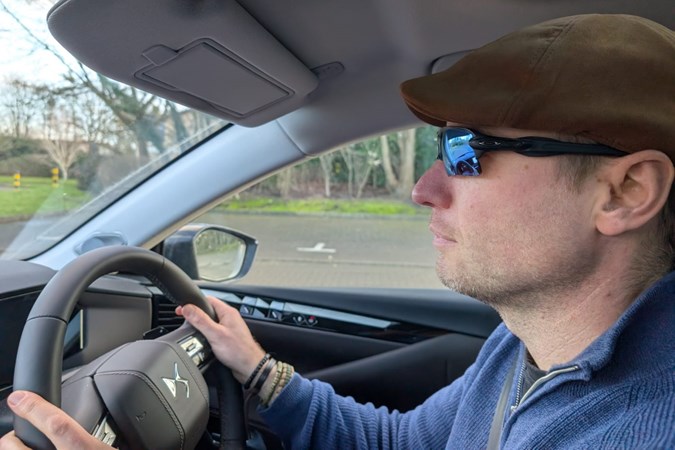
[13, 147]
[406, 145]
[64, 153]
[399, 172]
[18, 101]
[326, 160]
[360, 159]
[285, 182]
[141, 113]
[426, 149]
[63, 141]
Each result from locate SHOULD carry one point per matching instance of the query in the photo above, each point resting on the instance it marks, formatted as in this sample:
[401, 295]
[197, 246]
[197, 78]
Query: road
[368, 252]
[330, 251]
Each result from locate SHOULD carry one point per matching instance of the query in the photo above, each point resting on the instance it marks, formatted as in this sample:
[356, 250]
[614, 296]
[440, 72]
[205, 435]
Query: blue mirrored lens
[458, 156]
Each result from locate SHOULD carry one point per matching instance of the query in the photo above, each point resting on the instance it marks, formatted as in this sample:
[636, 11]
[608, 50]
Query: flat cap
[609, 78]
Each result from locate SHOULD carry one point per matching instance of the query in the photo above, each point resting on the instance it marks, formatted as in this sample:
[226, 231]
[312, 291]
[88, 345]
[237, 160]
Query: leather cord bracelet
[266, 365]
[247, 384]
[263, 376]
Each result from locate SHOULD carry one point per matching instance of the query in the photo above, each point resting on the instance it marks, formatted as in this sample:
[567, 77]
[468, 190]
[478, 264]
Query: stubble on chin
[480, 283]
[505, 288]
[464, 284]
[457, 279]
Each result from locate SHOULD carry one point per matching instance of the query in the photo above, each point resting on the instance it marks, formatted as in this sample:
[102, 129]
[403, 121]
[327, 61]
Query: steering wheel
[147, 394]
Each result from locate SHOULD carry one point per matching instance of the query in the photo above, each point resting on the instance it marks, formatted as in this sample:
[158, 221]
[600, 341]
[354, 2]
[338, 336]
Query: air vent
[163, 313]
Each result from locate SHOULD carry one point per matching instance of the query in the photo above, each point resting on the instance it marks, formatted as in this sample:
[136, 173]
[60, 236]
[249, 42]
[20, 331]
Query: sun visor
[210, 55]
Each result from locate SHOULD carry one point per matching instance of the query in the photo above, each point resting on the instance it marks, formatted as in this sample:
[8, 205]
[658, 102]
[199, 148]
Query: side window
[344, 218]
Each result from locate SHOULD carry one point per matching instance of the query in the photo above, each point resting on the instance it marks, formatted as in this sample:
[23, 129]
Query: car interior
[290, 79]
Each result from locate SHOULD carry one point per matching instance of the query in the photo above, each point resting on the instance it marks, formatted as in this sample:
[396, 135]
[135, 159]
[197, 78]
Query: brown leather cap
[610, 78]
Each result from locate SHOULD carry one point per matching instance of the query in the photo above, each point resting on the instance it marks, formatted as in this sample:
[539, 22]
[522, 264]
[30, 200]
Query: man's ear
[635, 189]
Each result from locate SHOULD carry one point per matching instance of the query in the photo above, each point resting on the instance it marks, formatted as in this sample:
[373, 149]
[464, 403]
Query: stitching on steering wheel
[155, 280]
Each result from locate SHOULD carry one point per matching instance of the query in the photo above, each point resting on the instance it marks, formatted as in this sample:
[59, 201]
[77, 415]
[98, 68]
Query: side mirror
[211, 252]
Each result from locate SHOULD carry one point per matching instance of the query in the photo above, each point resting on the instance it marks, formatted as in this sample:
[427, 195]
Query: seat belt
[500, 410]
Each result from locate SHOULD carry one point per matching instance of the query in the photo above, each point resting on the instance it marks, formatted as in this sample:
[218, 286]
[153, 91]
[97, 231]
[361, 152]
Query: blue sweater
[619, 393]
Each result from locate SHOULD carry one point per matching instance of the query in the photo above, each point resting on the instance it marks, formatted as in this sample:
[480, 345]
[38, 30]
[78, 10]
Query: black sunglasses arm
[538, 146]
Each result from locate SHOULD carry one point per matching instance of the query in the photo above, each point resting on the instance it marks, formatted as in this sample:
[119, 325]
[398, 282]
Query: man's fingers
[11, 442]
[222, 309]
[220, 306]
[59, 428]
[201, 321]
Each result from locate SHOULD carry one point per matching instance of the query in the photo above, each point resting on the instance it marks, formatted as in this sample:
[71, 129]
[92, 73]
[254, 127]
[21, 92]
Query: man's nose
[433, 188]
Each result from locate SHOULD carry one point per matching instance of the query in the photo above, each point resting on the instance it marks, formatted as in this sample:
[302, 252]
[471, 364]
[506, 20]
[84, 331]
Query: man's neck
[555, 330]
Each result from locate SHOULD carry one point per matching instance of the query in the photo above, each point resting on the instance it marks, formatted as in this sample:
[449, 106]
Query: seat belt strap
[500, 410]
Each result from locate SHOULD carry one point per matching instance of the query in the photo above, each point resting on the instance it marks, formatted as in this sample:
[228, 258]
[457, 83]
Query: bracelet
[263, 376]
[286, 377]
[262, 362]
[281, 367]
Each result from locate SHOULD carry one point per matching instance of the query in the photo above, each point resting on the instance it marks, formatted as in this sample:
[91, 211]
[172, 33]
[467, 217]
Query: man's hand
[60, 429]
[230, 338]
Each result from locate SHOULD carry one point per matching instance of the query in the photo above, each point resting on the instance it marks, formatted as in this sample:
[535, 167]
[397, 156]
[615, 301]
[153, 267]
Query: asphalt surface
[329, 251]
[337, 251]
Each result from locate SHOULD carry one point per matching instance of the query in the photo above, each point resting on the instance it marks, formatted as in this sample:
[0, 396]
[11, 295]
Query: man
[550, 202]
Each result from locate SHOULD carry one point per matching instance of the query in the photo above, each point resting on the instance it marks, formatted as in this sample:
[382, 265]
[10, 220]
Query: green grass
[37, 194]
[273, 205]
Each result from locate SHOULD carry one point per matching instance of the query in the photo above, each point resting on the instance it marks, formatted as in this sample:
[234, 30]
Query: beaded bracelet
[277, 377]
[287, 378]
[284, 379]
[247, 384]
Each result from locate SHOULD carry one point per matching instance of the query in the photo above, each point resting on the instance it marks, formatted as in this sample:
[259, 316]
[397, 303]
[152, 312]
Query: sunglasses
[460, 149]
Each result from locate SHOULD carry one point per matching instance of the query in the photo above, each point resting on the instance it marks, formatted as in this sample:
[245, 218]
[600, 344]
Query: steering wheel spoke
[82, 402]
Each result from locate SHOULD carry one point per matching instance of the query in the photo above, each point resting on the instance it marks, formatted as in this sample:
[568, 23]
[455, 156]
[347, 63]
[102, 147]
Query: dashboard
[121, 308]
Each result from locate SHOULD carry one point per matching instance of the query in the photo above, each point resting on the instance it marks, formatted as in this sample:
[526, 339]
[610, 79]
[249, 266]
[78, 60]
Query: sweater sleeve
[309, 414]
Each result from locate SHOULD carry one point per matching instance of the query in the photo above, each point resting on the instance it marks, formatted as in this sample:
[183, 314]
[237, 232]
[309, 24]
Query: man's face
[512, 233]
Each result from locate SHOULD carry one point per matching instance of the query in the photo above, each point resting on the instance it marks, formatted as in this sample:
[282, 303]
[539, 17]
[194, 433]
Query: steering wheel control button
[195, 349]
[104, 432]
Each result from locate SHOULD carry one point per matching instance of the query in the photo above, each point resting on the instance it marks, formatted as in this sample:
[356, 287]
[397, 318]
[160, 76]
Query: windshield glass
[72, 141]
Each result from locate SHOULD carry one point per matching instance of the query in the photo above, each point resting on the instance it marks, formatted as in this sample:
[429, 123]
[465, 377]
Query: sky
[20, 56]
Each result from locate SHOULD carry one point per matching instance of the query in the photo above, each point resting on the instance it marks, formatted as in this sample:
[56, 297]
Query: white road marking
[318, 248]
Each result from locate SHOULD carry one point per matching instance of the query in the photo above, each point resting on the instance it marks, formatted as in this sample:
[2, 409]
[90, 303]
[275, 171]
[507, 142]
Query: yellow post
[55, 177]
[17, 180]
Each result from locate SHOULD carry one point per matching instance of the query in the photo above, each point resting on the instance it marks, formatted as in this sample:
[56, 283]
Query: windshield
[72, 141]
